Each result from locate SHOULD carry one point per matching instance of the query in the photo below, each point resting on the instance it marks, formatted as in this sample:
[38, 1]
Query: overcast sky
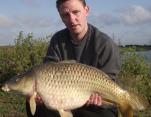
[127, 21]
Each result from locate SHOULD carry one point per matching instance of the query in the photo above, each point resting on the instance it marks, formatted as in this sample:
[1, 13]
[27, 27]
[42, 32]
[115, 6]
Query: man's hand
[38, 100]
[94, 99]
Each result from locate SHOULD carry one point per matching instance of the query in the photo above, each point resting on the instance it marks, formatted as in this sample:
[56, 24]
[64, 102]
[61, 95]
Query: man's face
[74, 16]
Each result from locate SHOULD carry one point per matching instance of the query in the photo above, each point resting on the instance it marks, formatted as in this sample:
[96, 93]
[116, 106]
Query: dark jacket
[96, 49]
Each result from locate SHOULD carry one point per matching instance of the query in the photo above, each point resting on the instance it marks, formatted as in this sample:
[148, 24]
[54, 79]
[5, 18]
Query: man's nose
[72, 18]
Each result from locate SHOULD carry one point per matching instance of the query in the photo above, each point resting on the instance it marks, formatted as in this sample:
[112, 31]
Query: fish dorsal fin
[32, 103]
[68, 61]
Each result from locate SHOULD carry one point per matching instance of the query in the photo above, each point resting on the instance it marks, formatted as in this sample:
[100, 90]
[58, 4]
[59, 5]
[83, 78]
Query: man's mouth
[74, 25]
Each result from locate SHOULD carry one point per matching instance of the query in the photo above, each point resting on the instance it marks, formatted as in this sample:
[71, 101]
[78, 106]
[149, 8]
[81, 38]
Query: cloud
[6, 39]
[103, 19]
[10, 27]
[33, 3]
[108, 19]
[25, 22]
[5, 21]
[34, 22]
[136, 15]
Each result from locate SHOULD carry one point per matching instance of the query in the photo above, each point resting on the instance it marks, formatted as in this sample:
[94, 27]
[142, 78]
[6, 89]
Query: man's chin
[75, 31]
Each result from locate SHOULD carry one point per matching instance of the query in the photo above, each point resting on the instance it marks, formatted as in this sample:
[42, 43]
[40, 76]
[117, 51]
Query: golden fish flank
[68, 85]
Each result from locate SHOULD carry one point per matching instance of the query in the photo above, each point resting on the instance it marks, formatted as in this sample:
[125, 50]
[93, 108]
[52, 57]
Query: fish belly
[65, 99]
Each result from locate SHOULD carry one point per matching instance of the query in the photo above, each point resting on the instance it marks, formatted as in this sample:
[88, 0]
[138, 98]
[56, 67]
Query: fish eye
[17, 79]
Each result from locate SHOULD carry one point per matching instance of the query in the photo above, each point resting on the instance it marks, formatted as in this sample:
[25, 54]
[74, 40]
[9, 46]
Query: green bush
[133, 63]
[26, 53]
[7, 65]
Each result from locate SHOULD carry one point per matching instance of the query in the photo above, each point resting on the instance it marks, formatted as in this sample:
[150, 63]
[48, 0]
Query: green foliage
[7, 65]
[26, 53]
[140, 85]
[133, 63]
[135, 75]
[12, 105]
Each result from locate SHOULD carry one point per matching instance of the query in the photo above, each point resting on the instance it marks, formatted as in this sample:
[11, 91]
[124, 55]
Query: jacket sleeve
[109, 60]
[52, 52]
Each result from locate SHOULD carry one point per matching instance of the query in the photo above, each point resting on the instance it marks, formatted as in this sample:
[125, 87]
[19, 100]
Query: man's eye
[76, 12]
[65, 15]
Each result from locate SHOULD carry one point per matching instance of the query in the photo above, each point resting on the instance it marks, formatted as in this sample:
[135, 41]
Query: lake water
[146, 54]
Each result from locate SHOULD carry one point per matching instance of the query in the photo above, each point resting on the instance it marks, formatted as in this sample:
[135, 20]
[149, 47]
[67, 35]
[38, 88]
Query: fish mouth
[5, 88]
[1, 87]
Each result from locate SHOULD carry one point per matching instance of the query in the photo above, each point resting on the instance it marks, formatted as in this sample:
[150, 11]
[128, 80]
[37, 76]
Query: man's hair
[59, 2]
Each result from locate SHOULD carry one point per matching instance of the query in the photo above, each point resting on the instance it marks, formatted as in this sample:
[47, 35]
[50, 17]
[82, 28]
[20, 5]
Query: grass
[12, 105]
[141, 86]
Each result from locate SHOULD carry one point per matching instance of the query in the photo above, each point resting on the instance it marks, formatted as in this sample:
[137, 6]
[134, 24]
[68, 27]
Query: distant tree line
[137, 47]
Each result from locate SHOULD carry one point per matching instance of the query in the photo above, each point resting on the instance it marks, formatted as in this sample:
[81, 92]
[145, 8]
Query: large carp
[68, 85]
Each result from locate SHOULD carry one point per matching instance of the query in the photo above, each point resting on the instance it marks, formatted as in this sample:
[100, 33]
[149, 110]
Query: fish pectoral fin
[107, 102]
[32, 103]
[65, 113]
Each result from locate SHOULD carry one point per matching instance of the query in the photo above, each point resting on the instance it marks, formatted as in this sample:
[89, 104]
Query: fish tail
[132, 102]
[136, 102]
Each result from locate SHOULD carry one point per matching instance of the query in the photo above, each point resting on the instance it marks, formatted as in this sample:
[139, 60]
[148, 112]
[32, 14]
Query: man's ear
[87, 10]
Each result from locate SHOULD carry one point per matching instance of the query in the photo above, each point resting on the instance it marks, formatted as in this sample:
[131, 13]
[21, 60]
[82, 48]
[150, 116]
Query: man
[84, 43]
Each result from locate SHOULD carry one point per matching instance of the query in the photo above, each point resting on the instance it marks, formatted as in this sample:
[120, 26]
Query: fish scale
[68, 85]
[81, 82]
[62, 95]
